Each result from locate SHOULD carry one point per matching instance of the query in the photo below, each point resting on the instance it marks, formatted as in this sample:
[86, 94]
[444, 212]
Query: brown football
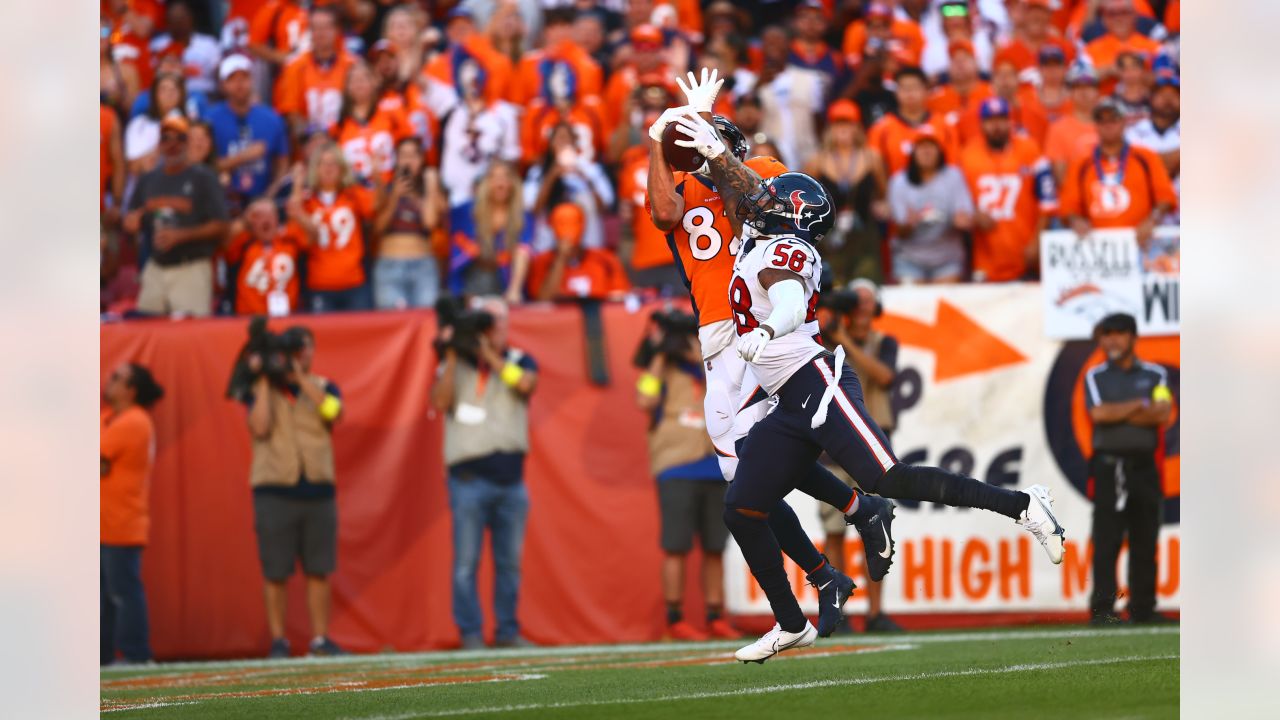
[679, 157]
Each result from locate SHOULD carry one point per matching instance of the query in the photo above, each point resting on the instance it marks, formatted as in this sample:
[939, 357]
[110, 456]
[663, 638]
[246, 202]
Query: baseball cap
[646, 34]
[459, 12]
[877, 9]
[176, 123]
[1051, 54]
[994, 107]
[961, 45]
[1106, 104]
[844, 110]
[1168, 78]
[1082, 74]
[1116, 322]
[380, 48]
[233, 64]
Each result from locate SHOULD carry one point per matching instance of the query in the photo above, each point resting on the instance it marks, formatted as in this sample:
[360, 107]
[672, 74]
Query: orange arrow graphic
[960, 345]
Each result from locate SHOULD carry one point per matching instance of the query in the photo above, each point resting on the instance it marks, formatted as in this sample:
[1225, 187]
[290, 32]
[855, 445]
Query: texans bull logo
[807, 219]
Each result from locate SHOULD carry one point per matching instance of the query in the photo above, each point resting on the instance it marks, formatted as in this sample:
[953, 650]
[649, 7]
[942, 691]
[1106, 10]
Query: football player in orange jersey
[309, 92]
[1014, 193]
[366, 132]
[700, 213]
[332, 213]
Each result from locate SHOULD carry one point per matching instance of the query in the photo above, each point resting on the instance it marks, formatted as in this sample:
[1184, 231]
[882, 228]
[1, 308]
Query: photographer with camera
[846, 317]
[483, 387]
[690, 485]
[292, 412]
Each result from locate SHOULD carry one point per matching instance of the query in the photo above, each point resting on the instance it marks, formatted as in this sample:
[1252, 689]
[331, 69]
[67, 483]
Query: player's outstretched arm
[666, 206]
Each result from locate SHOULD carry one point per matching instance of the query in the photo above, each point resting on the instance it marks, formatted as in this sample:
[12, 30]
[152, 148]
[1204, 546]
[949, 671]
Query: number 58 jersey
[750, 304]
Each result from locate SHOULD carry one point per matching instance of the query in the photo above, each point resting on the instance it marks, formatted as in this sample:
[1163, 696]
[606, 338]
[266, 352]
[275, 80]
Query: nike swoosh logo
[780, 648]
[1057, 529]
[824, 585]
[804, 404]
[836, 604]
[888, 549]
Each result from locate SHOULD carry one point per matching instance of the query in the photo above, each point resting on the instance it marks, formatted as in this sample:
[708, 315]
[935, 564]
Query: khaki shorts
[183, 288]
[832, 519]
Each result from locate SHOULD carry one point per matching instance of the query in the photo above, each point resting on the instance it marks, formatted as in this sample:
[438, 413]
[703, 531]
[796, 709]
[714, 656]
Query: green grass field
[1046, 672]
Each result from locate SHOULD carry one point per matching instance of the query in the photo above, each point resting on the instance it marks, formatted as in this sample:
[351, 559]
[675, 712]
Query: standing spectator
[1033, 34]
[200, 148]
[404, 38]
[406, 274]
[964, 90]
[506, 31]
[931, 210]
[855, 179]
[195, 103]
[251, 138]
[874, 356]
[118, 81]
[810, 51]
[309, 92]
[484, 392]
[683, 461]
[1119, 18]
[653, 96]
[648, 258]
[1028, 118]
[880, 30]
[1133, 91]
[791, 96]
[491, 238]
[644, 57]
[335, 210]
[278, 32]
[1117, 185]
[266, 253]
[1013, 188]
[892, 134]
[294, 500]
[564, 174]
[558, 46]
[572, 271]
[476, 133]
[180, 211]
[1051, 93]
[1073, 135]
[198, 52]
[142, 134]
[559, 102]
[1161, 133]
[1129, 402]
[127, 451]
[366, 131]
[952, 23]
[110, 165]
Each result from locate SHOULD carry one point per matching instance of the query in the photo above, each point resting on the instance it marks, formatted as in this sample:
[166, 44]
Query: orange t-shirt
[651, 249]
[335, 261]
[1070, 138]
[596, 275]
[705, 243]
[497, 67]
[1030, 119]
[586, 117]
[422, 123]
[1137, 185]
[370, 147]
[127, 443]
[107, 125]
[946, 102]
[266, 268]
[1013, 186]
[1029, 95]
[280, 24]
[1071, 16]
[905, 39]
[129, 49]
[893, 138]
[312, 90]
[1104, 51]
[1024, 56]
[588, 76]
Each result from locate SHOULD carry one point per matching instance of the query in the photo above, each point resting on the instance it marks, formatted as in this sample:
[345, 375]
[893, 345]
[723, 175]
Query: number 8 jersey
[750, 304]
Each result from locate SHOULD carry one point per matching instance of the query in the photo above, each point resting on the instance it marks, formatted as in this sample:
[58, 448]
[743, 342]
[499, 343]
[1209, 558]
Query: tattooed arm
[735, 181]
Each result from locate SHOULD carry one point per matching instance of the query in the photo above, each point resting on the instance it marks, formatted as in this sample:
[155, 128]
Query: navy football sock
[791, 537]
[822, 485]
[763, 555]
[921, 482]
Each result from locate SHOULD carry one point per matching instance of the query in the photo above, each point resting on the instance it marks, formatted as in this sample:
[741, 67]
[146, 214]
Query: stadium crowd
[276, 156]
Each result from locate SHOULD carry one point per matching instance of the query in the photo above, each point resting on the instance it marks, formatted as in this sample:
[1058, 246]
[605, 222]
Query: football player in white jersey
[773, 295]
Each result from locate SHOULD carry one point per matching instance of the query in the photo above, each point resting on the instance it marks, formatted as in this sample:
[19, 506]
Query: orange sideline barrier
[591, 555]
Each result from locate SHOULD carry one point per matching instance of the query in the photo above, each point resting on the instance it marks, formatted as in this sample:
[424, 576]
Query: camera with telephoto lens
[840, 302]
[676, 328]
[467, 327]
[265, 353]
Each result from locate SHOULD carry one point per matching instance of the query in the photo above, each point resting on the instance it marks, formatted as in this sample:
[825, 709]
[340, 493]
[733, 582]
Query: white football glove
[701, 135]
[701, 94]
[667, 117]
[752, 344]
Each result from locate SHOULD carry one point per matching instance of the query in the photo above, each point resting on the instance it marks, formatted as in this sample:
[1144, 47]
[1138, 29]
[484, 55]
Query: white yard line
[764, 690]
[589, 650]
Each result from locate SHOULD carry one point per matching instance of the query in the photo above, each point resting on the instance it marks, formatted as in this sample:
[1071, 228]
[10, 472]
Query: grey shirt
[184, 199]
[933, 242]
[1108, 383]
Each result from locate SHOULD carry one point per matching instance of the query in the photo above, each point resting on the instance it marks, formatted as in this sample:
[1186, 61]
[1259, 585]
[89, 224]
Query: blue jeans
[353, 299]
[400, 283]
[123, 604]
[476, 504]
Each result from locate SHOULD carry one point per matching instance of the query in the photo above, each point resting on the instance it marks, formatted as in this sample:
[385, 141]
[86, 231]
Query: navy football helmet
[790, 204]
[734, 140]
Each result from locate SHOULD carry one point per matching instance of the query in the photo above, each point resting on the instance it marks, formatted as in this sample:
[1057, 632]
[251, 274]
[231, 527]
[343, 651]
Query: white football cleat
[1038, 520]
[775, 641]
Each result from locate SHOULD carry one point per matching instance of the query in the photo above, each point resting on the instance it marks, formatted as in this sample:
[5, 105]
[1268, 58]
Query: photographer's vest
[679, 436]
[488, 417]
[299, 442]
[875, 395]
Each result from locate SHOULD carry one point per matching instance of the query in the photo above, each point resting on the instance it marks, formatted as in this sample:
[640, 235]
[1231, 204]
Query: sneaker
[834, 589]
[775, 641]
[279, 649]
[682, 630]
[513, 642]
[877, 537]
[722, 630]
[1038, 520]
[324, 647]
[472, 642]
[883, 624]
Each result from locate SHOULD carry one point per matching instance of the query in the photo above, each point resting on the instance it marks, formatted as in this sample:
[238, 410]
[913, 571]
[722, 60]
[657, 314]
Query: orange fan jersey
[905, 39]
[266, 270]
[540, 119]
[947, 102]
[1024, 56]
[422, 123]
[370, 147]
[704, 241]
[650, 249]
[497, 68]
[597, 274]
[586, 71]
[1071, 17]
[893, 138]
[336, 259]
[1030, 119]
[313, 90]
[1117, 192]
[1014, 186]
[281, 24]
